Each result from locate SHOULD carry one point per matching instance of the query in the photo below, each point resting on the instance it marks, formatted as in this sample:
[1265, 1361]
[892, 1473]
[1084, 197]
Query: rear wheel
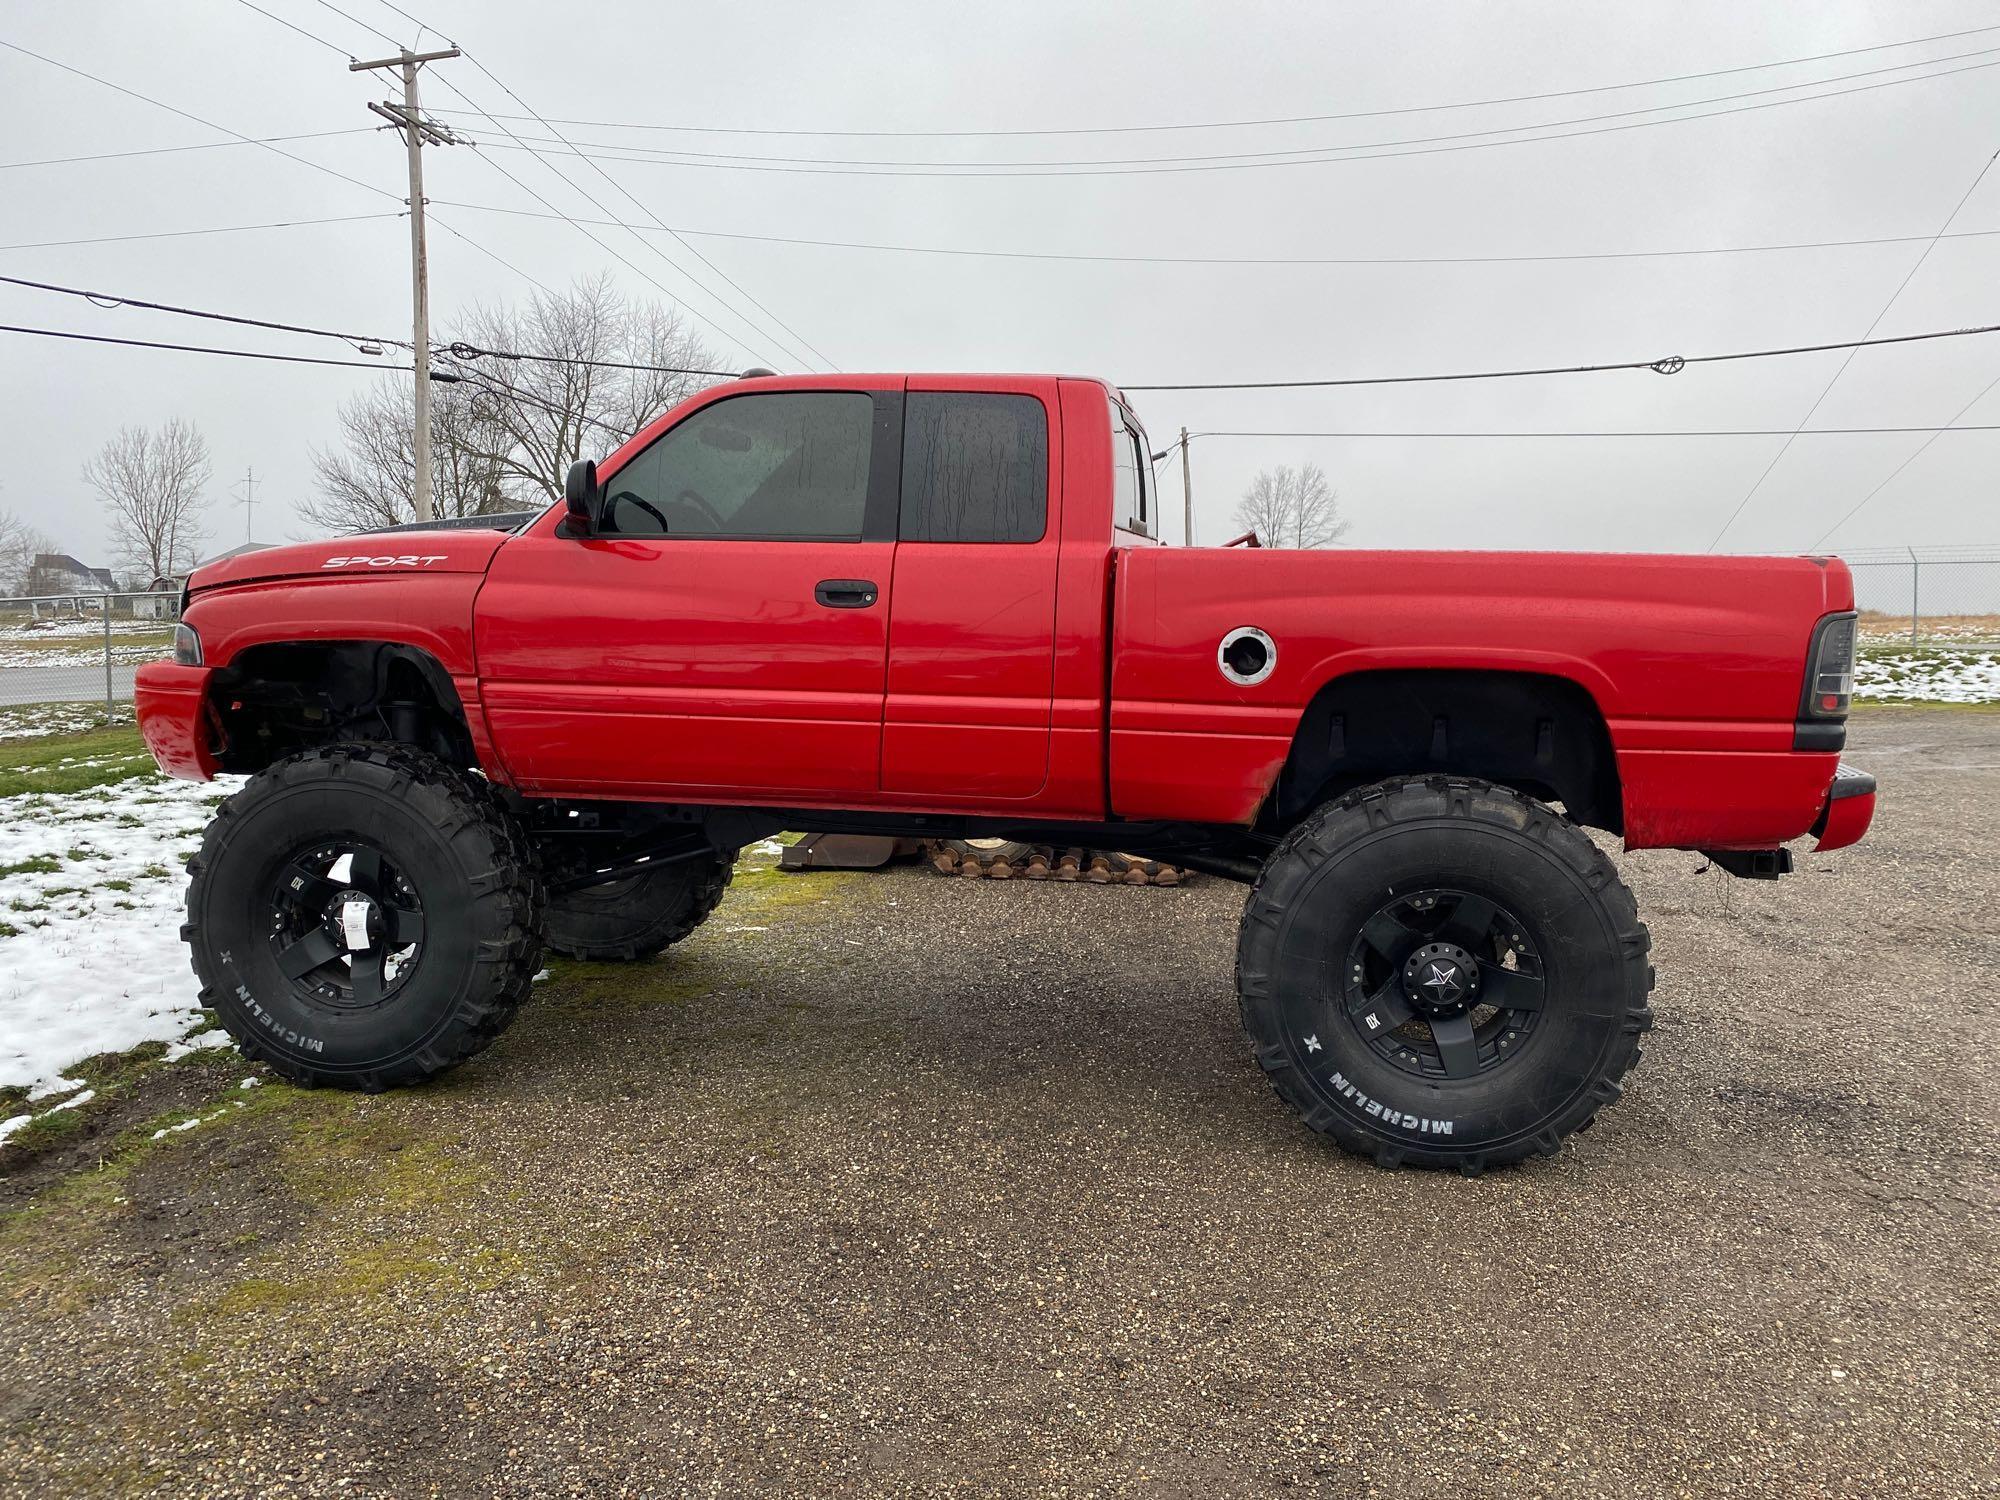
[363, 916]
[1442, 973]
[639, 915]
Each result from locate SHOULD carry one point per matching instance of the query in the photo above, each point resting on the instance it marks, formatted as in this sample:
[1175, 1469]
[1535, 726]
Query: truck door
[972, 623]
[724, 636]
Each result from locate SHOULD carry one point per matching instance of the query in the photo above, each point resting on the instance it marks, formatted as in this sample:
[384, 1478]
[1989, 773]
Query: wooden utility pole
[416, 132]
[1187, 494]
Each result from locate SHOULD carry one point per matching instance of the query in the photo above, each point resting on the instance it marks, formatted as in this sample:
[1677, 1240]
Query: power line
[289, 359]
[1364, 114]
[1670, 365]
[568, 182]
[262, 140]
[186, 115]
[290, 26]
[1820, 399]
[1031, 255]
[109, 299]
[1638, 432]
[175, 234]
[1952, 426]
[657, 220]
[480, 380]
[622, 260]
[459, 350]
[1244, 260]
[1253, 158]
[974, 170]
[491, 255]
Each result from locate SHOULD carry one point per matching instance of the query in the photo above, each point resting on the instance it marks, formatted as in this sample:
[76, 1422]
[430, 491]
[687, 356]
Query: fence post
[1913, 593]
[110, 712]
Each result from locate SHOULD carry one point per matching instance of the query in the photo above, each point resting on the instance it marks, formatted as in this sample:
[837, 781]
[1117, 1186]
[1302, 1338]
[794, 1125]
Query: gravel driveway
[905, 1185]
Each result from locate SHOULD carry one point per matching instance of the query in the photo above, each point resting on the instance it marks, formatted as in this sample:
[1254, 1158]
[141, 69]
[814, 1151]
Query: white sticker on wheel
[354, 924]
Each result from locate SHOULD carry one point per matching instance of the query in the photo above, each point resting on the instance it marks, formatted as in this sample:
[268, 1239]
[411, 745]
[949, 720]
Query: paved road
[903, 1185]
[19, 685]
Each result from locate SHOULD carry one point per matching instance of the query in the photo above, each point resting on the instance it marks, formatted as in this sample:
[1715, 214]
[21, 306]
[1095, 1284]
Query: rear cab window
[975, 467]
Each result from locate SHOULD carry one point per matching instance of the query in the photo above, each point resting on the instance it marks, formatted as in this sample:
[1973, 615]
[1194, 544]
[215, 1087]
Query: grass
[72, 762]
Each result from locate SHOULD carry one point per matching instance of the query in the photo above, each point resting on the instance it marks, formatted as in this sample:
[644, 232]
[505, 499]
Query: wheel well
[1538, 734]
[284, 696]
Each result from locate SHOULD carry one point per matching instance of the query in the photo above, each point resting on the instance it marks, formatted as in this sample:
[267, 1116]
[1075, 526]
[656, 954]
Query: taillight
[1829, 690]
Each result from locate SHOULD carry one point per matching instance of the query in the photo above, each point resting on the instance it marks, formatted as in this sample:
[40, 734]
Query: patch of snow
[89, 968]
[249, 1083]
[1941, 675]
[49, 1086]
[215, 1036]
[39, 720]
[13, 1123]
[50, 628]
[187, 1124]
[83, 1098]
[540, 975]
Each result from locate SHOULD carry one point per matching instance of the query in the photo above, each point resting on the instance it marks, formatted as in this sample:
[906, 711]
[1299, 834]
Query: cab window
[773, 466]
[975, 467]
[1131, 474]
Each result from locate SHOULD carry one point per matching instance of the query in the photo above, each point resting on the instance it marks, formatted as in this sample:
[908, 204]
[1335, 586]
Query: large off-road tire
[363, 916]
[1438, 972]
[640, 915]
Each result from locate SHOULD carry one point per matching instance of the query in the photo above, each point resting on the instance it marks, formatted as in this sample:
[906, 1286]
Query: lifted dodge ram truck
[935, 605]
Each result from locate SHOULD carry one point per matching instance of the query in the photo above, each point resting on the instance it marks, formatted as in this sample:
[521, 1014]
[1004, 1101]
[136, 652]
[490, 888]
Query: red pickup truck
[937, 605]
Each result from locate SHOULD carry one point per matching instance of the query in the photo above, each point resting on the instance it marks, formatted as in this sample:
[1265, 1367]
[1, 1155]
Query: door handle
[845, 593]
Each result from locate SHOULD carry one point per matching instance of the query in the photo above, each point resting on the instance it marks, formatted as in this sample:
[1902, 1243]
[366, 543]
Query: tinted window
[975, 468]
[783, 465]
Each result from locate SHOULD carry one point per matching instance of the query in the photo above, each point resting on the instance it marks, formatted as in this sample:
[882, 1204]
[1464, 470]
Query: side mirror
[584, 498]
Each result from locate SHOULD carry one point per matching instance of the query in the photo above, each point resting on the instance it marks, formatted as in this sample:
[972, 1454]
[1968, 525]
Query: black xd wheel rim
[1443, 983]
[347, 928]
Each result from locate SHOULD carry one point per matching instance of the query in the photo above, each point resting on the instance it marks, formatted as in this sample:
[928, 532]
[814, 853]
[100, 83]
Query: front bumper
[172, 705]
[1849, 809]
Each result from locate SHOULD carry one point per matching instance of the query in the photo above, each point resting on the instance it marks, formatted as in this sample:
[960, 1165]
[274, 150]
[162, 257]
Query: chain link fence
[67, 660]
[1928, 596]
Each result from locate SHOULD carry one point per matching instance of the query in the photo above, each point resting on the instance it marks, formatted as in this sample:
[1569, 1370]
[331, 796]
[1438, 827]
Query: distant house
[167, 589]
[59, 573]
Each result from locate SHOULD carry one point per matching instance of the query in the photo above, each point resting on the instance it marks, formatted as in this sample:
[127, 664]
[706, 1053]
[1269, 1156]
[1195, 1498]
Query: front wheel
[363, 916]
[1437, 972]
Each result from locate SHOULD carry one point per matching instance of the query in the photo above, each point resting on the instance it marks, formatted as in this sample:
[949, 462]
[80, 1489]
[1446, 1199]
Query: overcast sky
[1885, 162]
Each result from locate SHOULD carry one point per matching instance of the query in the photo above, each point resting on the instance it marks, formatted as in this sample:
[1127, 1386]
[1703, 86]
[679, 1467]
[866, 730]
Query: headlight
[187, 646]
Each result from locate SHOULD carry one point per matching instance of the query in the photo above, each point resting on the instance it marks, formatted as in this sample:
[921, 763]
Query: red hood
[379, 555]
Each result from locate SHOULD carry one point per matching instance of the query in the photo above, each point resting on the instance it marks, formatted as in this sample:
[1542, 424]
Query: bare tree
[152, 484]
[506, 432]
[1290, 507]
[20, 545]
[550, 415]
[367, 482]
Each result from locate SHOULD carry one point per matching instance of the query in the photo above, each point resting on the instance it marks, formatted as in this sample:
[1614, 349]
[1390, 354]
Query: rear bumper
[1849, 809]
[171, 701]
